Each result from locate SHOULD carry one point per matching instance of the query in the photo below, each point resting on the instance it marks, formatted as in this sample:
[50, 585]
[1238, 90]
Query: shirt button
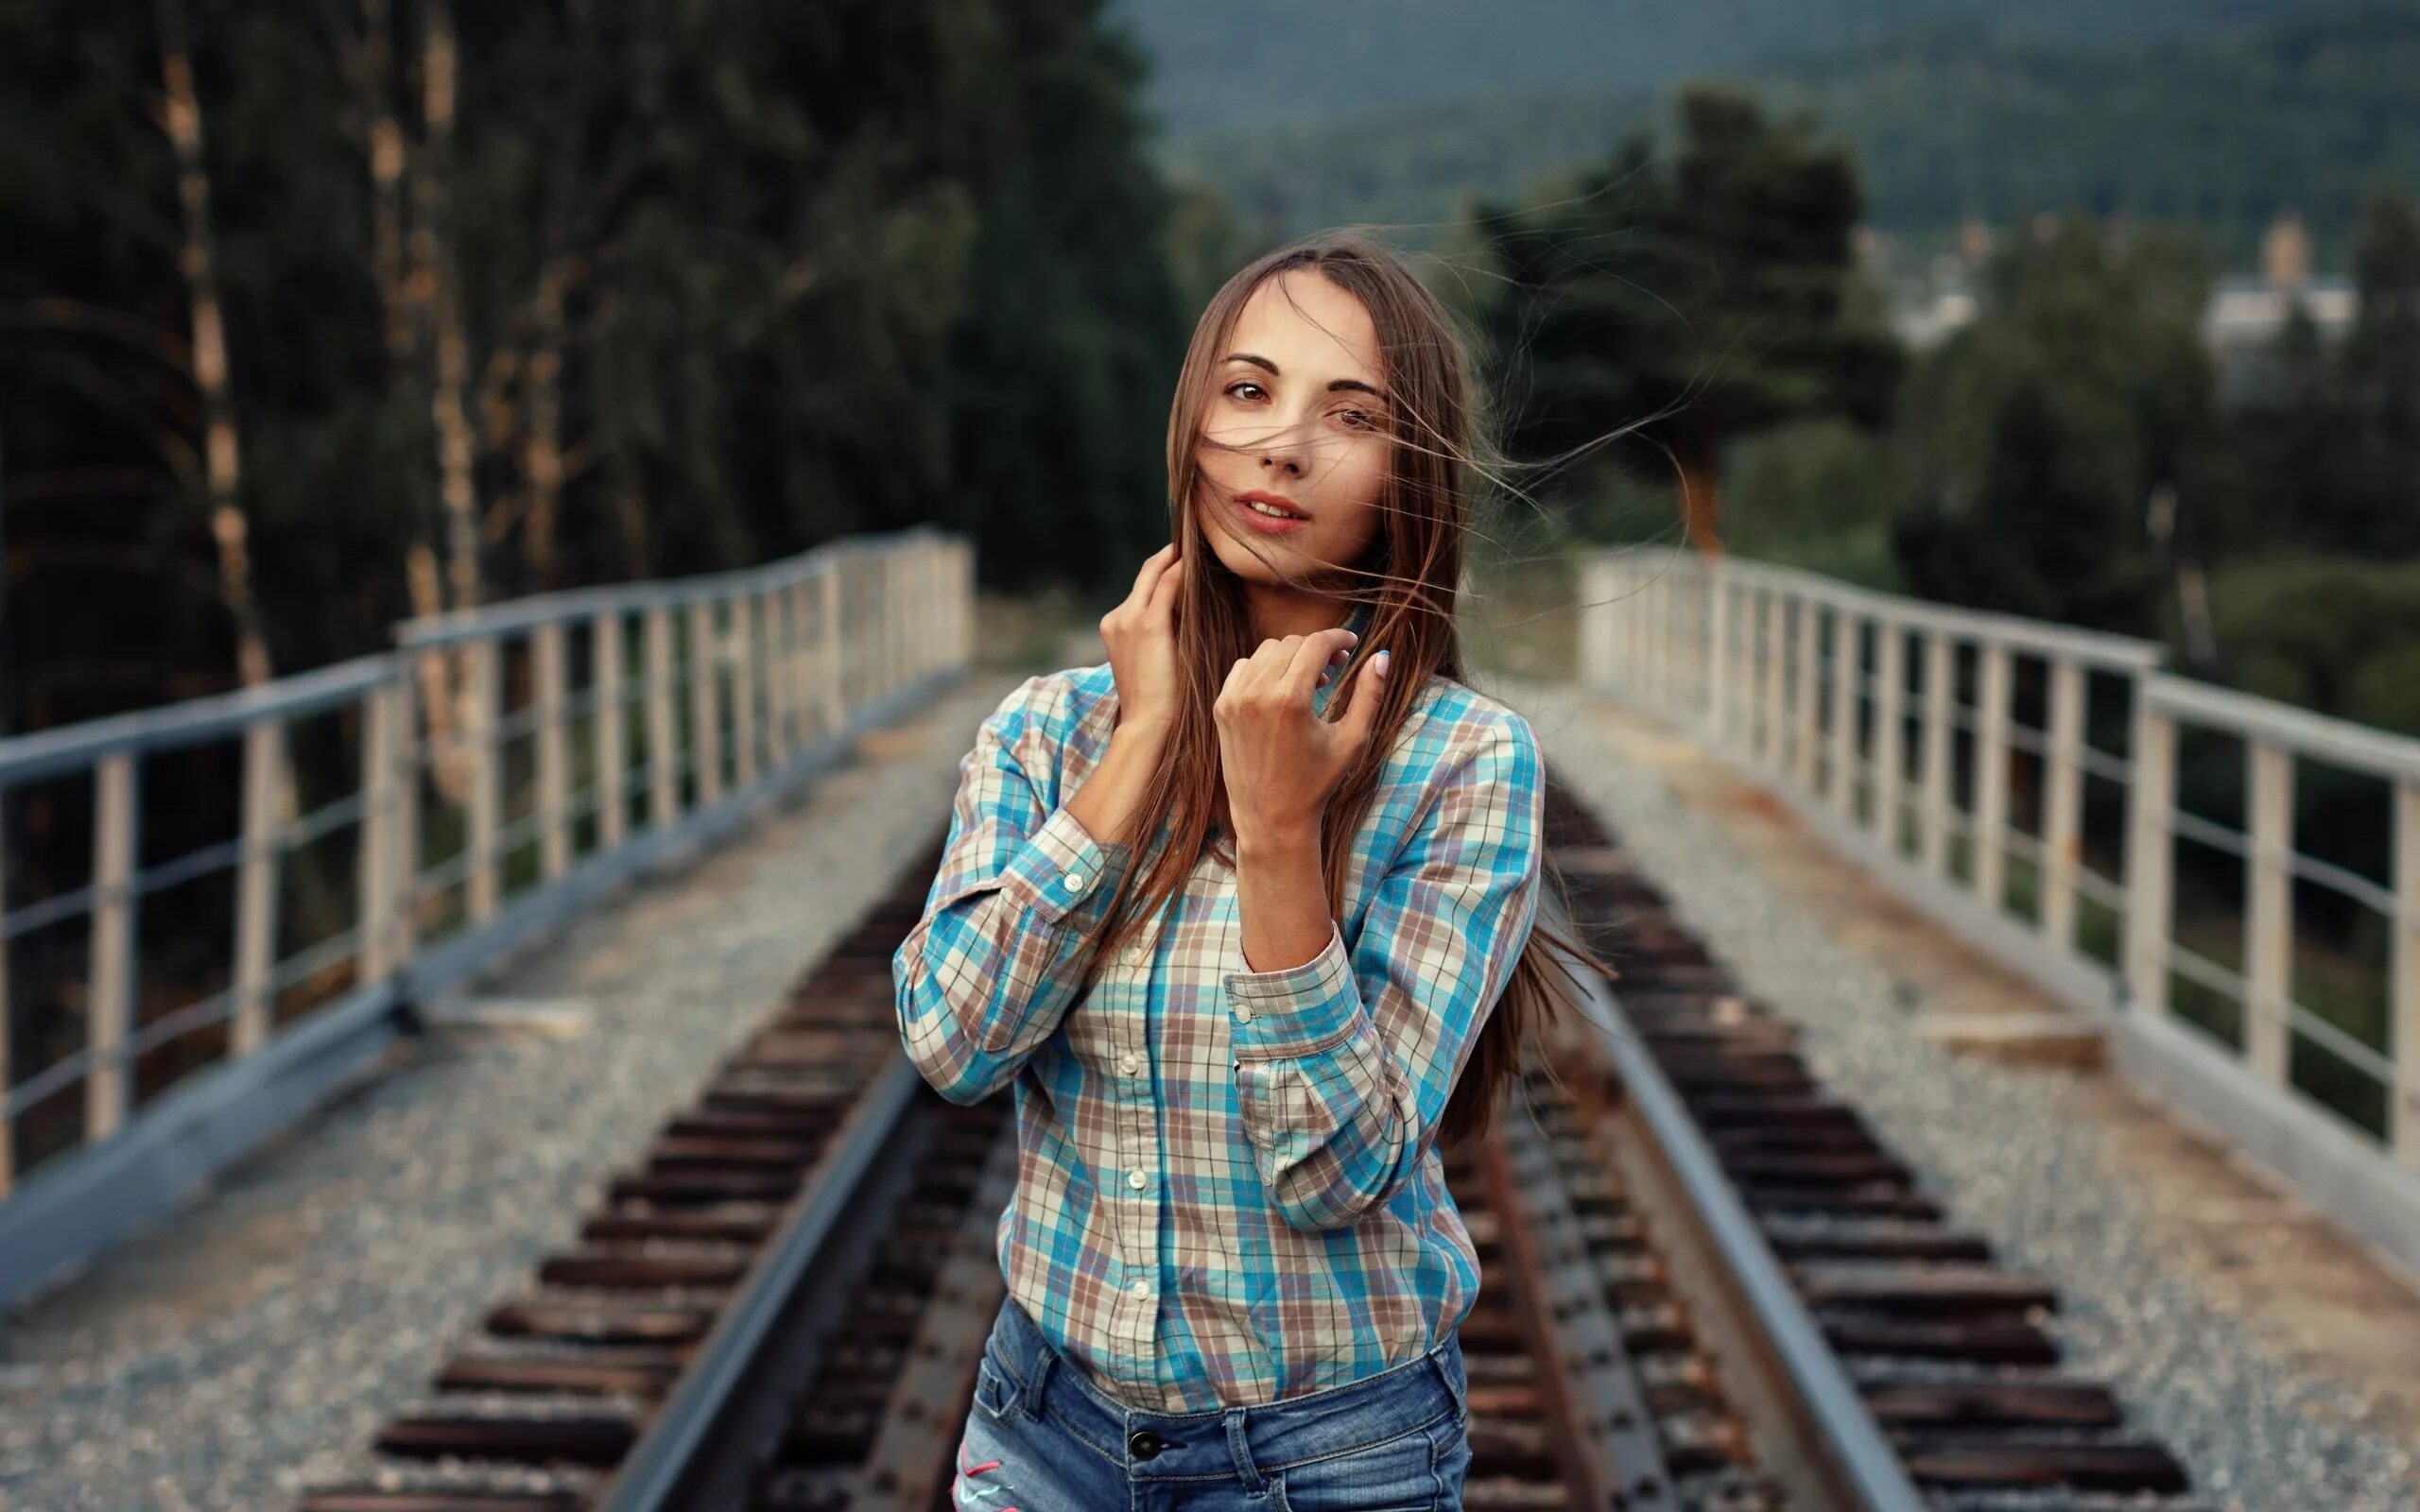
[1073, 881]
[1243, 1015]
[1140, 1290]
[1137, 1180]
[1128, 1064]
[1135, 956]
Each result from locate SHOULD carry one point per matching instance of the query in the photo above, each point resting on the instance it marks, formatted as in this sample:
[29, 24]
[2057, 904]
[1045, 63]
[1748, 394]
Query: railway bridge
[1995, 1107]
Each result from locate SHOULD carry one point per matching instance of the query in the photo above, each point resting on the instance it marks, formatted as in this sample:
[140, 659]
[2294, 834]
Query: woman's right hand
[1141, 636]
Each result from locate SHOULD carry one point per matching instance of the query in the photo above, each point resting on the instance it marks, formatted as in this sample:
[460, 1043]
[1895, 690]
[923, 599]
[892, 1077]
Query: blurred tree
[2039, 432]
[524, 296]
[2382, 373]
[1679, 306]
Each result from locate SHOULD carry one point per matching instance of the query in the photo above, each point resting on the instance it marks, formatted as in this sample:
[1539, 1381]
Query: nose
[1284, 450]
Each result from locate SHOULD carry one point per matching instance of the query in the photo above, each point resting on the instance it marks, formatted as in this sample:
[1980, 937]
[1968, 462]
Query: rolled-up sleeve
[995, 960]
[1343, 1065]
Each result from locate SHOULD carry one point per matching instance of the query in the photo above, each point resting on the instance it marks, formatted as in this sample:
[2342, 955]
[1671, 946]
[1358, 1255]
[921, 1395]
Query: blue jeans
[1041, 1438]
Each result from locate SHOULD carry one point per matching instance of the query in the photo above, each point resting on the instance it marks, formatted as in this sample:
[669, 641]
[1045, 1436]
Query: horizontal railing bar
[49, 911]
[2118, 653]
[2098, 763]
[218, 716]
[2191, 826]
[2110, 894]
[320, 822]
[2195, 966]
[199, 1014]
[337, 947]
[48, 1082]
[628, 598]
[2344, 882]
[2249, 716]
[223, 857]
[2361, 1058]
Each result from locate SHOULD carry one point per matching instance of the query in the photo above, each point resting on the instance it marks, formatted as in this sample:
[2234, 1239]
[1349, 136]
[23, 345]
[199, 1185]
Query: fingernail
[1381, 660]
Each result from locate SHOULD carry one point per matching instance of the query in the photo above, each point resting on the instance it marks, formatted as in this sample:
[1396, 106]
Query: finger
[1160, 611]
[1310, 658]
[1150, 572]
[1369, 691]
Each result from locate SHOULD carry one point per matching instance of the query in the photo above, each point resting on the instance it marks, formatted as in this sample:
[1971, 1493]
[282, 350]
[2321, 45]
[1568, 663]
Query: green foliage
[1664, 307]
[1818, 495]
[2039, 431]
[822, 268]
[2337, 634]
[1996, 115]
[1250, 63]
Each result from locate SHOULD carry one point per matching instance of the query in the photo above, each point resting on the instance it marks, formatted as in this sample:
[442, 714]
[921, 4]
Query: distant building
[2245, 313]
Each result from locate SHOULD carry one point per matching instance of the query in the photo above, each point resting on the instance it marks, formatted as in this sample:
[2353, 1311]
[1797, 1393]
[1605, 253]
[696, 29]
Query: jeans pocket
[1399, 1475]
[995, 1390]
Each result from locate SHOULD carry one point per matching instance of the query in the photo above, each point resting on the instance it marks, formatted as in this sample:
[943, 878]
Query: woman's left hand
[1280, 761]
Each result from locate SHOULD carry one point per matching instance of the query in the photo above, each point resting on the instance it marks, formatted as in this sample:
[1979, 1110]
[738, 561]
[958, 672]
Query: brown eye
[1241, 383]
[1361, 419]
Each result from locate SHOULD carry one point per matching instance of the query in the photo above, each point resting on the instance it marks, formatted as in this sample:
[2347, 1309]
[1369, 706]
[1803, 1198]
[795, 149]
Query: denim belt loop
[1239, 1445]
[1030, 1399]
[1436, 1358]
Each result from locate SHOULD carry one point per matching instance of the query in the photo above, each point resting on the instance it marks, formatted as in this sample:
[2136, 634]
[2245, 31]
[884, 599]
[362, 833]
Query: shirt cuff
[1061, 869]
[1298, 1010]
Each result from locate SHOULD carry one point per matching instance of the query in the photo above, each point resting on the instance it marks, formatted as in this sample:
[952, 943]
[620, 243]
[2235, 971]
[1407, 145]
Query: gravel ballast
[2014, 1155]
[254, 1343]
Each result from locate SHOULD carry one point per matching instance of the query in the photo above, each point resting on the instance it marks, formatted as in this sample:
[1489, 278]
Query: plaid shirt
[1227, 1187]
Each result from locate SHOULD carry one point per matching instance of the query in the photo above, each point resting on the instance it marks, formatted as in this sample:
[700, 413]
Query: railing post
[412, 753]
[2268, 912]
[1991, 779]
[832, 662]
[1889, 728]
[481, 687]
[1717, 671]
[1848, 667]
[705, 701]
[1940, 663]
[554, 769]
[607, 648]
[2149, 799]
[743, 690]
[663, 740]
[256, 883]
[1773, 680]
[109, 1009]
[388, 849]
[2062, 810]
[2404, 976]
[1806, 621]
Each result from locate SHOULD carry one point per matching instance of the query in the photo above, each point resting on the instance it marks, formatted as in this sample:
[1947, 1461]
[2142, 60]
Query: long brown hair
[1409, 582]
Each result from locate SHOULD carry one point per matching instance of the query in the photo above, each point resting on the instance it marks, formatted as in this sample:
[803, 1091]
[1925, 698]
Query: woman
[1246, 917]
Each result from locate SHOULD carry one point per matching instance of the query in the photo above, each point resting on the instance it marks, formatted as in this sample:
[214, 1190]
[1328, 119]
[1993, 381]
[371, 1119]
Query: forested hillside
[315, 316]
[1947, 119]
[1250, 63]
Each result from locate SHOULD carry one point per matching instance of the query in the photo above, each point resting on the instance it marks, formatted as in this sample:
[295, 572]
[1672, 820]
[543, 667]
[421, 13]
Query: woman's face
[1298, 411]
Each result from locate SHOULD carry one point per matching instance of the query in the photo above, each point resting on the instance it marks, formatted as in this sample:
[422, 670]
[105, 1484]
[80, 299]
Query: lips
[1256, 509]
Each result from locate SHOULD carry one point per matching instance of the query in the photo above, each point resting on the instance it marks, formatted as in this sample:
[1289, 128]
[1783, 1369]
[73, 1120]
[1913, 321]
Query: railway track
[781, 1306]
[1944, 1346]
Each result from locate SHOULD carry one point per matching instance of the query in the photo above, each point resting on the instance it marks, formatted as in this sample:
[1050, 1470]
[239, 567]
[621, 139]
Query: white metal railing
[505, 762]
[1855, 703]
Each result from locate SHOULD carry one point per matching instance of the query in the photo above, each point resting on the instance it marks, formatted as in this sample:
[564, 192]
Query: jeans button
[1143, 1443]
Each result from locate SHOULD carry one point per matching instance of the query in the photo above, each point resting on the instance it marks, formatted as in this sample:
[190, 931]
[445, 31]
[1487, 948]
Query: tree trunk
[1701, 499]
[222, 467]
[542, 453]
[457, 488]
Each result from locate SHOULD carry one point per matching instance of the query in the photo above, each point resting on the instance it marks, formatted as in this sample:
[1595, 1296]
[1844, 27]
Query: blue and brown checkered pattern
[1227, 1191]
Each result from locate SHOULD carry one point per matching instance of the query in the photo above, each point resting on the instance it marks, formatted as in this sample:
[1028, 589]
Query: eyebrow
[1333, 385]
